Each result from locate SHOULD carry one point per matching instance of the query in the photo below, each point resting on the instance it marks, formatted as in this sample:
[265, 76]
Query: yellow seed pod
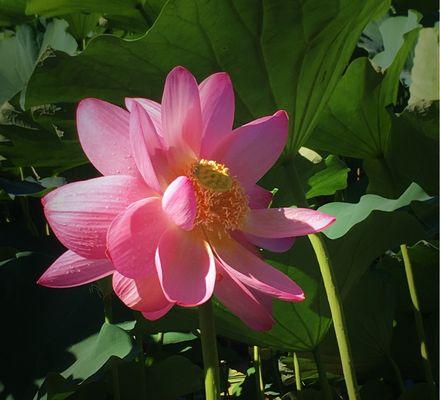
[212, 175]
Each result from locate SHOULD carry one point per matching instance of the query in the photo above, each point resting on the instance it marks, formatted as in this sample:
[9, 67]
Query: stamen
[222, 204]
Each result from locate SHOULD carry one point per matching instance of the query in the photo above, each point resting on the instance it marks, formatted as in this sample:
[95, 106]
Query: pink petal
[104, 136]
[147, 148]
[71, 270]
[235, 296]
[133, 237]
[276, 245]
[286, 222]
[80, 213]
[186, 267]
[181, 115]
[151, 107]
[255, 273]
[144, 294]
[252, 149]
[217, 104]
[179, 203]
[259, 197]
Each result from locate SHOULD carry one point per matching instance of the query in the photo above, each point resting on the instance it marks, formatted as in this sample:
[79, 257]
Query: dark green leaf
[81, 25]
[38, 148]
[316, 42]
[369, 311]
[356, 122]
[12, 12]
[21, 52]
[417, 392]
[94, 352]
[173, 377]
[411, 156]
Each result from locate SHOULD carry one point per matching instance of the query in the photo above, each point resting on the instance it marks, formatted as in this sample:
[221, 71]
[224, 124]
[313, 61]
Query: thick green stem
[297, 372]
[258, 373]
[325, 386]
[209, 350]
[331, 289]
[417, 316]
[336, 309]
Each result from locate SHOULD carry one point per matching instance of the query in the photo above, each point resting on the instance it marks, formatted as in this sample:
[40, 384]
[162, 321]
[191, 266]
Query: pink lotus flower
[178, 213]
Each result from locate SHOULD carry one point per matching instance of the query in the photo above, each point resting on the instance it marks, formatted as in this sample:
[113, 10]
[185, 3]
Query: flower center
[222, 204]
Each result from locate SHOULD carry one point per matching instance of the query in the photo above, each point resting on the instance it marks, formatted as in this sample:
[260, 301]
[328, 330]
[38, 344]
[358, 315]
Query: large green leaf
[185, 376]
[369, 321]
[424, 259]
[53, 8]
[55, 319]
[20, 53]
[411, 155]
[356, 122]
[369, 311]
[38, 148]
[129, 15]
[289, 55]
[94, 352]
[348, 214]
[12, 12]
[398, 150]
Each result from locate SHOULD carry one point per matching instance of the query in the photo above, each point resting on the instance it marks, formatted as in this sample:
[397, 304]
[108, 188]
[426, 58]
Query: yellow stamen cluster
[222, 204]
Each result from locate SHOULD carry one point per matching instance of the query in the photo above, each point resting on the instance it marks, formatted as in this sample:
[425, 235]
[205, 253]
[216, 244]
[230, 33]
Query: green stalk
[417, 316]
[336, 309]
[297, 372]
[259, 385]
[332, 291]
[209, 350]
[325, 386]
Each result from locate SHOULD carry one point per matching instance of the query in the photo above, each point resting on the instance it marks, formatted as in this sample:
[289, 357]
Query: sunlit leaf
[424, 75]
[348, 214]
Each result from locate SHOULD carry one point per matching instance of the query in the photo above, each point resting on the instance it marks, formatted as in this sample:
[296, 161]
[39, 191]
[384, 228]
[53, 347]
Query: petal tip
[41, 281]
[179, 69]
[281, 114]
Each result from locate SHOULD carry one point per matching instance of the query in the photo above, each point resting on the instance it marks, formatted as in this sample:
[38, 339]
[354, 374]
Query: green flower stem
[297, 372]
[331, 288]
[417, 315]
[258, 373]
[325, 386]
[209, 350]
[334, 300]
